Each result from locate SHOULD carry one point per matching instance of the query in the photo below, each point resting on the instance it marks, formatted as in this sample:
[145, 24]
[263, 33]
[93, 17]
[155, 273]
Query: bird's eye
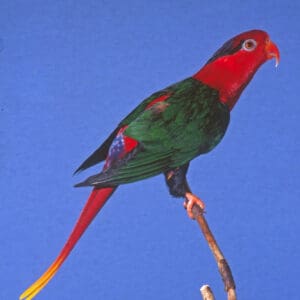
[249, 45]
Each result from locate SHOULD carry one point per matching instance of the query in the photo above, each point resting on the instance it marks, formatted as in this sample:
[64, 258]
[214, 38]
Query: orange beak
[272, 51]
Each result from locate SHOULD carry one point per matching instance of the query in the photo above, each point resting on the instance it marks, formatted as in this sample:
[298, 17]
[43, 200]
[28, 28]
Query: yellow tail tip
[39, 284]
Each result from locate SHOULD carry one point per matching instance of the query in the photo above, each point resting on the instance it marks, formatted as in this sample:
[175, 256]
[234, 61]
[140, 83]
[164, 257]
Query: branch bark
[222, 264]
[207, 293]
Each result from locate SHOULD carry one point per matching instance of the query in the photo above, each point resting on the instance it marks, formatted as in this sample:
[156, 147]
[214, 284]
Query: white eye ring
[249, 45]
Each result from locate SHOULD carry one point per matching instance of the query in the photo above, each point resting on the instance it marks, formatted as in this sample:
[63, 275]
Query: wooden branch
[207, 293]
[223, 266]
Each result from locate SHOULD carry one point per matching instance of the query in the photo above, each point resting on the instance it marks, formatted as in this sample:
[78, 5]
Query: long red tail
[95, 202]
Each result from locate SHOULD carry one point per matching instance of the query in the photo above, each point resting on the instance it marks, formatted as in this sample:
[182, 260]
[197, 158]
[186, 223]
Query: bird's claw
[190, 201]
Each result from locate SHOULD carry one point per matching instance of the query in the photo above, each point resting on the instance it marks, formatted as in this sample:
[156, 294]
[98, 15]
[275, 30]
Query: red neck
[229, 76]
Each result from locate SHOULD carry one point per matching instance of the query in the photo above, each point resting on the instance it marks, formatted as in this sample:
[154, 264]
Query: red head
[231, 68]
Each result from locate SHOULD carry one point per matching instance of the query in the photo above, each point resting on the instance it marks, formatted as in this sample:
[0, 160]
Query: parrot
[166, 131]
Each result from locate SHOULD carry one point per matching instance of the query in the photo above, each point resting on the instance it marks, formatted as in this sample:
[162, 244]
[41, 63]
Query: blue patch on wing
[116, 150]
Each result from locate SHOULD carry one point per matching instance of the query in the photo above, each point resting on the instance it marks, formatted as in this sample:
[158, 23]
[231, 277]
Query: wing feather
[169, 134]
[101, 153]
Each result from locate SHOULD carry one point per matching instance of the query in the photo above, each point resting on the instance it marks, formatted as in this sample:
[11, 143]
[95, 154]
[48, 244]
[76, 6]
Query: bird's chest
[203, 125]
[212, 129]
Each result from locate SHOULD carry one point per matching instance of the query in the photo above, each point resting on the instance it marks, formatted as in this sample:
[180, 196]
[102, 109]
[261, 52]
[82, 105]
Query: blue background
[69, 71]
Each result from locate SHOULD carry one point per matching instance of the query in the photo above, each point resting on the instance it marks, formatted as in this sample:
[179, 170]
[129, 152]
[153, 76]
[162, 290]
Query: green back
[190, 122]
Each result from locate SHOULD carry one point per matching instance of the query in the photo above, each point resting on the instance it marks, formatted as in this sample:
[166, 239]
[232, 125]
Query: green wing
[190, 122]
[101, 153]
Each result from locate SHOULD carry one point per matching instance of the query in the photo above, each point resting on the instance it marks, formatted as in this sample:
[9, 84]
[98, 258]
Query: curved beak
[272, 51]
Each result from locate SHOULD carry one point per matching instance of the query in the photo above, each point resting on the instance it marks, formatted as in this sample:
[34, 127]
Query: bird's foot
[190, 201]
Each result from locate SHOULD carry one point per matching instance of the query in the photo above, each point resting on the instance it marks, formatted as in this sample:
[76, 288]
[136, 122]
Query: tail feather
[95, 202]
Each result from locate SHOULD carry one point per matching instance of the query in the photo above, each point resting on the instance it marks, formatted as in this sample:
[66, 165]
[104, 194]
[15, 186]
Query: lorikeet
[167, 130]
